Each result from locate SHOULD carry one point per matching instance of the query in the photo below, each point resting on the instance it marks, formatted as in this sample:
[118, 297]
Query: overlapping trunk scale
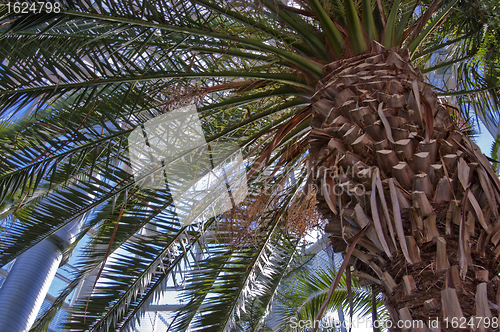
[387, 153]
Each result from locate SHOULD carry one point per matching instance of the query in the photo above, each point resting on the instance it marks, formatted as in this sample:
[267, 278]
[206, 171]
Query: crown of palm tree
[79, 81]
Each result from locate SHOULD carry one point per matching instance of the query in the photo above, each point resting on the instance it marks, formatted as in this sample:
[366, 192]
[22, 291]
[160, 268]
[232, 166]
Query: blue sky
[484, 140]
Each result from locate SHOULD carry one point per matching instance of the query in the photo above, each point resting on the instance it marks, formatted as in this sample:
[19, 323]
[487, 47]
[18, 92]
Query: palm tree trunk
[386, 152]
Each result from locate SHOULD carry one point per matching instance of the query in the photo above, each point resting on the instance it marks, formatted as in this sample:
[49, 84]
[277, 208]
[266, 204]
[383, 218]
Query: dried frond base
[387, 154]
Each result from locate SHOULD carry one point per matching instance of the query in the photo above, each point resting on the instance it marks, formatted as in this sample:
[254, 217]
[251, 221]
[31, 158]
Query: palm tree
[326, 102]
[303, 293]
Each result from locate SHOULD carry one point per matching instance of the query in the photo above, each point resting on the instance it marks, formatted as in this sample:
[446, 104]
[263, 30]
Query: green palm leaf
[80, 81]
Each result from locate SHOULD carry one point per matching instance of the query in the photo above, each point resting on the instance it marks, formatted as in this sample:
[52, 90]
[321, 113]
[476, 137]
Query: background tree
[304, 291]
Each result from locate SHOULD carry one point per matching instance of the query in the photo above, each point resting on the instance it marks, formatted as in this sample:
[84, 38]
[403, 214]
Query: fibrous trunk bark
[385, 151]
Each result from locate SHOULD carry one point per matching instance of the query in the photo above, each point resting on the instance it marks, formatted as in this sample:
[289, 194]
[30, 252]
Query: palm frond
[239, 276]
[81, 80]
[304, 293]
